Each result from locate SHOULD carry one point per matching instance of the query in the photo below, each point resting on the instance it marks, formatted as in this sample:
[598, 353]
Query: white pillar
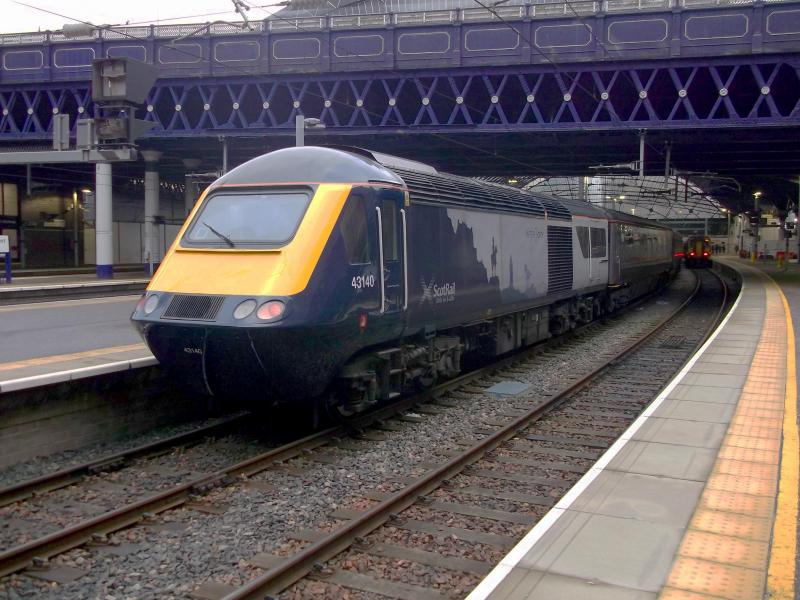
[152, 255]
[191, 188]
[104, 222]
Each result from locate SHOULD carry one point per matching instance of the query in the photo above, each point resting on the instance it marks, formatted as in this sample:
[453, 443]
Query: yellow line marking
[67, 303]
[47, 360]
[783, 555]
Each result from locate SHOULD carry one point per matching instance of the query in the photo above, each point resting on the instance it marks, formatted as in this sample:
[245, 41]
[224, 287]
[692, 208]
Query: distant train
[346, 277]
[697, 252]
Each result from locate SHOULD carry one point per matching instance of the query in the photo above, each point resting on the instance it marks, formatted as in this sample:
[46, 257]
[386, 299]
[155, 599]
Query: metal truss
[746, 91]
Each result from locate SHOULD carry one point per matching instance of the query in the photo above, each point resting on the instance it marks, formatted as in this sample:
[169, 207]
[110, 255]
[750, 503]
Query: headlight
[151, 304]
[271, 310]
[245, 309]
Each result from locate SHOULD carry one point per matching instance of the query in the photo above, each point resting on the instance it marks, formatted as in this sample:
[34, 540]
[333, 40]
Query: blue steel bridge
[524, 88]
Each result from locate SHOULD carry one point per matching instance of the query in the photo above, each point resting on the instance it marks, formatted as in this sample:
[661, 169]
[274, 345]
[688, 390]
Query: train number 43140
[363, 281]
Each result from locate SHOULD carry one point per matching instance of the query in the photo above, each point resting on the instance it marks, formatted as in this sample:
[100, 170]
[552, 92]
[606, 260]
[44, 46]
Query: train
[338, 278]
[697, 251]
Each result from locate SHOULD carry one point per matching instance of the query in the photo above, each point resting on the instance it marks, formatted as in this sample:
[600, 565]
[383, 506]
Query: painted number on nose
[363, 281]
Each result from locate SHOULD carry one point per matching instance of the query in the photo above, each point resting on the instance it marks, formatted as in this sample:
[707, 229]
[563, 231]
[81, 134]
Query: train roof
[347, 164]
[309, 164]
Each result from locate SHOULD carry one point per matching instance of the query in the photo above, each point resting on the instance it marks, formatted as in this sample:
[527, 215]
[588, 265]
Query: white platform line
[24, 383]
[510, 560]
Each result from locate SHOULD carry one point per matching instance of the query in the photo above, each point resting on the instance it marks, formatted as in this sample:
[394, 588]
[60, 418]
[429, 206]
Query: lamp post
[757, 216]
[302, 123]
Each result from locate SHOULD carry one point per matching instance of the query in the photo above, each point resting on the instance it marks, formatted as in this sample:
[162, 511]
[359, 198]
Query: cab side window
[598, 242]
[390, 224]
[583, 240]
[354, 231]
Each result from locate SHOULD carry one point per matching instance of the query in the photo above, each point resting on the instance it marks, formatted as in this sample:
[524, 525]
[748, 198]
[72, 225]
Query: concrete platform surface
[49, 342]
[698, 499]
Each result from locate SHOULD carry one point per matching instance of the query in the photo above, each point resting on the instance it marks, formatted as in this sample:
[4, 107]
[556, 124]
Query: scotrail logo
[437, 294]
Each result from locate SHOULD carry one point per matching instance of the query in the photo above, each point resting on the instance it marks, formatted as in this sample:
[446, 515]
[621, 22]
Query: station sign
[4, 247]
[8, 222]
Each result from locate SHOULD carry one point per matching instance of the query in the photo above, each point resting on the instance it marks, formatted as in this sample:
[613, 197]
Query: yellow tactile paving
[717, 579]
[751, 431]
[746, 485]
[759, 507]
[734, 524]
[781, 582]
[735, 537]
[727, 549]
[743, 441]
[669, 593]
[741, 468]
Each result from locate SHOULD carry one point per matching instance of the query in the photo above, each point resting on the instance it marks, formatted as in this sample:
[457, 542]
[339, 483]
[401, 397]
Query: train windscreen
[247, 219]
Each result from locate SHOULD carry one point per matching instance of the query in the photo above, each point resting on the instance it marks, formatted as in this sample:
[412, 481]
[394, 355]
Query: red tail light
[705, 253]
[691, 253]
[679, 255]
[271, 310]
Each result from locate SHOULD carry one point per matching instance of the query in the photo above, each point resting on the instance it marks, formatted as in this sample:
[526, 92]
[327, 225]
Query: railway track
[544, 436]
[281, 572]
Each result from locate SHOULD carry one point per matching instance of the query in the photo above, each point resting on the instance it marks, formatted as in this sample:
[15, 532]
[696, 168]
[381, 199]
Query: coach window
[583, 240]
[354, 230]
[598, 242]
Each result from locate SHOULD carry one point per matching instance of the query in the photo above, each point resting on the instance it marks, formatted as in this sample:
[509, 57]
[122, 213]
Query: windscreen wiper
[221, 236]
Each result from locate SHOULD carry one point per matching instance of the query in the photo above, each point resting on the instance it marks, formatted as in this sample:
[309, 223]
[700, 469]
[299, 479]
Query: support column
[191, 189]
[104, 231]
[152, 255]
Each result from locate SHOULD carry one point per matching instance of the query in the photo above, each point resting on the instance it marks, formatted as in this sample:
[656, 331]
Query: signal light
[271, 310]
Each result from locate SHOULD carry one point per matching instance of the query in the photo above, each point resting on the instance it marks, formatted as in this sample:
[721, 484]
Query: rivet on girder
[149, 108]
[265, 105]
[495, 99]
[55, 110]
[327, 103]
[426, 101]
[567, 97]
[682, 93]
[530, 98]
[235, 106]
[765, 90]
[392, 101]
[359, 103]
[178, 107]
[643, 94]
[723, 92]
[296, 103]
[604, 96]
[30, 111]
[206, 106]
[460, 100]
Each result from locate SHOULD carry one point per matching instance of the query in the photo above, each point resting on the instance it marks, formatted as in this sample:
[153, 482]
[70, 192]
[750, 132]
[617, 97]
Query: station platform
[53, 339]
[32, 286]
[698, 499]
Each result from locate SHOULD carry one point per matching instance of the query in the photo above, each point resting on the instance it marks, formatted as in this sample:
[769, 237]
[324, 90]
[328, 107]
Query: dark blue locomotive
[348, 276]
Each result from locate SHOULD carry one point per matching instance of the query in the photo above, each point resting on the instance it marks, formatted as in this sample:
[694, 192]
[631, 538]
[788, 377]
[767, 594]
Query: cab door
[598, 253]
[392, 251]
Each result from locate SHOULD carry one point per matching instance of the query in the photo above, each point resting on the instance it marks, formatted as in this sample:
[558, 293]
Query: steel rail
[70, 475]
[20, 557]
[280, 577]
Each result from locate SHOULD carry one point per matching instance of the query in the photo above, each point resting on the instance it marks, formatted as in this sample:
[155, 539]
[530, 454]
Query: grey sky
[16, 18]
